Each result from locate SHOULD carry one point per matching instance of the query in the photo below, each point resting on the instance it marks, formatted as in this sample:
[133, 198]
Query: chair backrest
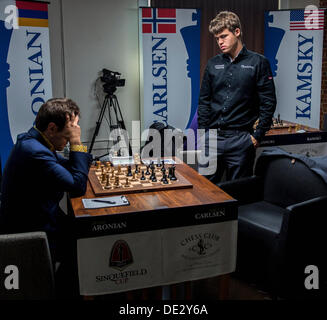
[288, 181]
[26, 270]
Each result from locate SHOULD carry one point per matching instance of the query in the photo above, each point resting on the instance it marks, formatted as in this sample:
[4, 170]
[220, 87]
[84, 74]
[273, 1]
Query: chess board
[99, 182]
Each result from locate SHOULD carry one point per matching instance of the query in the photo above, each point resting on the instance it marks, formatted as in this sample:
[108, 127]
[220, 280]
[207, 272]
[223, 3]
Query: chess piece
[117, 185]
[129, 173]
[158, 163]
[164, 179]
[173, 176]
[127, 184]
[98, 168]
[137, 169]
[108, 185]
[143, 177]
[169, 172]
[103, 178]
[163, 169]
[147, 173]
[119, 169]
[134, 176]
[153, 177]
[113, 173]
[153, 174]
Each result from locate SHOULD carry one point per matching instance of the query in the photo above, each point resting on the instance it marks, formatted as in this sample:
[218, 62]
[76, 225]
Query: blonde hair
[225, 20]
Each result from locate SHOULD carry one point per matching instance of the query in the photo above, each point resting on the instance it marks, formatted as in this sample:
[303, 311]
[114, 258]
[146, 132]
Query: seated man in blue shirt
[35, 177]
[237, 90]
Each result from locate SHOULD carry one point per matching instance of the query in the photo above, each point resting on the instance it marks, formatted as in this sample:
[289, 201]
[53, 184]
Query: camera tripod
[110, 101]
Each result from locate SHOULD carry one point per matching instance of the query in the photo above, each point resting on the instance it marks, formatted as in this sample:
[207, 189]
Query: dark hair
[225, 20]
[55, 110]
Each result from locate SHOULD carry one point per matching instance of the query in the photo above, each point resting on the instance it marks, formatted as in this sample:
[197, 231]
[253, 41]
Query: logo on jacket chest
[219, 66]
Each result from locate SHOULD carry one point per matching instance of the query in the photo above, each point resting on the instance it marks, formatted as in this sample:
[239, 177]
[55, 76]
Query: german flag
[32, 14]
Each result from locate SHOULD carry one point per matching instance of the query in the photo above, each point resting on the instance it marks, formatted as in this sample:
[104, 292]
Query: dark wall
[251, 13]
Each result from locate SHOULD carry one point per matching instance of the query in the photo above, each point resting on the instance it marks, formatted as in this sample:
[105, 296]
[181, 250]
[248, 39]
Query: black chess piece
[129, 172]
[143, 177]
[147, 173]
[153, 177]
[170, 173]
[163, 169]
[164, 179]
[152, 173]
[173, 176]
[158, 163]
[137, 169]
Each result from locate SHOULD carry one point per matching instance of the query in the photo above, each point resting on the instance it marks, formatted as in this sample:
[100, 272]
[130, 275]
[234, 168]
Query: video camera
[112, 81]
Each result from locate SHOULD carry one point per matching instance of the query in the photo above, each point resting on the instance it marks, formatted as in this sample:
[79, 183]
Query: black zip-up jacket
[235, 94]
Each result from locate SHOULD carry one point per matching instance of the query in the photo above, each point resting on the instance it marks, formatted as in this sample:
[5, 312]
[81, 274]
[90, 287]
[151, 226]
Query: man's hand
[254, 141]
[74, 130]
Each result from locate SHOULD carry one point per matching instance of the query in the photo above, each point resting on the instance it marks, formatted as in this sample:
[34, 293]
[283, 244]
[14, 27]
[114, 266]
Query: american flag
[307, 20]
[158, 20]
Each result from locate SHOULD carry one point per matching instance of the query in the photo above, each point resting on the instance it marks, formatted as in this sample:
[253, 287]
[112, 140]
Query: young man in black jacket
[237, 90]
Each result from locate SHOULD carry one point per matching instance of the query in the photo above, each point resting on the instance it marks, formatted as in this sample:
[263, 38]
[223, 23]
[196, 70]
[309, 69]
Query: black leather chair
[282, 224]
[34, 277]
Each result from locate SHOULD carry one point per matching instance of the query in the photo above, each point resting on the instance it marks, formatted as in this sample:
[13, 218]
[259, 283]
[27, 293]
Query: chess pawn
[137, 169]
[129, 172]
[127, 184]
[164, 178]
[98, 168]
[119, 169]
[153, 177]
[134, 176]
[143, 177]
[147, 173]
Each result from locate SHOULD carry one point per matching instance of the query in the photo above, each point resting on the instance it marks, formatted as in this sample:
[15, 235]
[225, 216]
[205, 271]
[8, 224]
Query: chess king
[35, 176]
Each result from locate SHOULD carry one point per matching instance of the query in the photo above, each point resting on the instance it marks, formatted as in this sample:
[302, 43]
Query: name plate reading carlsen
[106, 202]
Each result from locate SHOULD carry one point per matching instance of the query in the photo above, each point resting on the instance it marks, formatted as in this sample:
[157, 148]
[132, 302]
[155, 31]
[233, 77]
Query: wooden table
[203, 204]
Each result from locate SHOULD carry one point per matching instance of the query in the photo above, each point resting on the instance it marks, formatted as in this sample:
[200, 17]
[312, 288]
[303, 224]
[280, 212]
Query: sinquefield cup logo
[121, 255]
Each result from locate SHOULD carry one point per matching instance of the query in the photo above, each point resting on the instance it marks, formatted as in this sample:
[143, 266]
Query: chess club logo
[200, 245]
[121, 255]
[158, 20]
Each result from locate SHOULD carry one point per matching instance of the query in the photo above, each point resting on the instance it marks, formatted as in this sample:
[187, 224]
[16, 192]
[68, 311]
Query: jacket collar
[241, 54]
[38, 135]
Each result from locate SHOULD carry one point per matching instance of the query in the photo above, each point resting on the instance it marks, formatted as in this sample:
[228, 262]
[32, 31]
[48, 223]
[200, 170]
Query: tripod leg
[98, 124]
[120, 120]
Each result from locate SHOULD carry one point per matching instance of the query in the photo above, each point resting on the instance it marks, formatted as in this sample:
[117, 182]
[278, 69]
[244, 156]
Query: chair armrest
[304, 225]
[318, 203]
[245, 190]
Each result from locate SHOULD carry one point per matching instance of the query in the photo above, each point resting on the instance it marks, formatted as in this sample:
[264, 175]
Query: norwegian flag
[158, 20]
[307, 20]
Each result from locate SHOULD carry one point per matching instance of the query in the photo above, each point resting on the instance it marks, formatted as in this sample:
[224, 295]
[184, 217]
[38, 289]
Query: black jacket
[235, 94]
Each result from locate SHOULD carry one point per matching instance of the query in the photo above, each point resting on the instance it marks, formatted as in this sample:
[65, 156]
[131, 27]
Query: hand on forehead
[72, 119]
